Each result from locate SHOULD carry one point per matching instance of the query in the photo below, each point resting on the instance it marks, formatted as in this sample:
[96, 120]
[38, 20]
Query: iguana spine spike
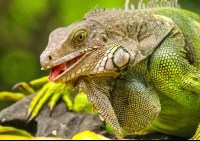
[143, 5]
[165, 3]
[168, 3]
[139, 5]
[157, 5]
[96, 8]
[152, 3]
[126, 5]
[176, 3]
[132, 7]
[149, 4]
[161, 3]
[173, 3]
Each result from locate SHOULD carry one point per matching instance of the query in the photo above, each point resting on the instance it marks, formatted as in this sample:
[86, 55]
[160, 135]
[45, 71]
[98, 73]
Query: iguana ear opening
[152, 33]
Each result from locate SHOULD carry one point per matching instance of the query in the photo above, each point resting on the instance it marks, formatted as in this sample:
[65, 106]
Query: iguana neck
[105, 83]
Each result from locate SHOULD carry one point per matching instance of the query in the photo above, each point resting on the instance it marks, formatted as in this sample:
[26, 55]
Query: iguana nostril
[50, 57]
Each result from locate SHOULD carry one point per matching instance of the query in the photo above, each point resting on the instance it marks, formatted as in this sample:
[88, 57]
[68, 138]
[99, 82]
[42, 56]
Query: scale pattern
[139, 67]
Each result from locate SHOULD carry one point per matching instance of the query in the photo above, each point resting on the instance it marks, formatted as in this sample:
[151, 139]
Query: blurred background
[25, 26]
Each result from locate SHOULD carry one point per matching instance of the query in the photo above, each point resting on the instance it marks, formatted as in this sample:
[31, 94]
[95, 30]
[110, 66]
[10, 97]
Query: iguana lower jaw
[59, 70]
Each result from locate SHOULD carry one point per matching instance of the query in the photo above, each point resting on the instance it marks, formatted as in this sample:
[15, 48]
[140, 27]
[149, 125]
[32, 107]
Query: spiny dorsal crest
[98, 10]
[153, 4]
[141, 6]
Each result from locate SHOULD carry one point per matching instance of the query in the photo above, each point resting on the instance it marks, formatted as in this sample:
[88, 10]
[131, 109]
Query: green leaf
[14, 131]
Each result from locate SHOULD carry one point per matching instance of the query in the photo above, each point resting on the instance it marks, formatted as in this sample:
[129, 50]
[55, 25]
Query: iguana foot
[197, 134]
[49, 89]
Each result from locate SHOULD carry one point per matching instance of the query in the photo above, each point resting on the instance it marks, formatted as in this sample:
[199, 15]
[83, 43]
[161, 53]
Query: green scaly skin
[157, 89]
[177, 78]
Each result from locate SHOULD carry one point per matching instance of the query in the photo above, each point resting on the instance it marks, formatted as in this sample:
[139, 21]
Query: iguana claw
[28, 115]
[51, 109]
[16, 86]
[24, 87]
[29, 119]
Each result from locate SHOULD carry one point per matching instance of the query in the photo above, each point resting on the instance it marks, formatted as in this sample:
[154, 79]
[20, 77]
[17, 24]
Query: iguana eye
[80, 36]
[104, 37]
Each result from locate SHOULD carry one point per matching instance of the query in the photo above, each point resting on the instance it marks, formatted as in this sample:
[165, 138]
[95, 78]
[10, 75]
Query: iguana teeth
[42, 68]
[139, 5]
[70, 56]
[48, 67]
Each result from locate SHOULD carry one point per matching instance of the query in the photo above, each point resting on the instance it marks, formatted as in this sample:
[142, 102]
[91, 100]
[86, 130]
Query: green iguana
[139, 67]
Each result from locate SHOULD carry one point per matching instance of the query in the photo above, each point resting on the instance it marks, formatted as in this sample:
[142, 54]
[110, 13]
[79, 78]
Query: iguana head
[81, 49]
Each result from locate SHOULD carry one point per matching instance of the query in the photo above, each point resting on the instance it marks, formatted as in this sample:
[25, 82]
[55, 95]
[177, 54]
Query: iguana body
[140, 68]
[174, 70]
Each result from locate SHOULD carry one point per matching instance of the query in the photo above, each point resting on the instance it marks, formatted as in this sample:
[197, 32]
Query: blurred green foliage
[25, 26]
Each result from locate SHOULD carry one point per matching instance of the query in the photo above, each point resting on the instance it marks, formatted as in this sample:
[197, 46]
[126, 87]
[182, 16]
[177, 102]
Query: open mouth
[61, 68]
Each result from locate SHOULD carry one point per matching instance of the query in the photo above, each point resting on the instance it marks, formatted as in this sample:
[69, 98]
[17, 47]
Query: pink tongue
[55, 71]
